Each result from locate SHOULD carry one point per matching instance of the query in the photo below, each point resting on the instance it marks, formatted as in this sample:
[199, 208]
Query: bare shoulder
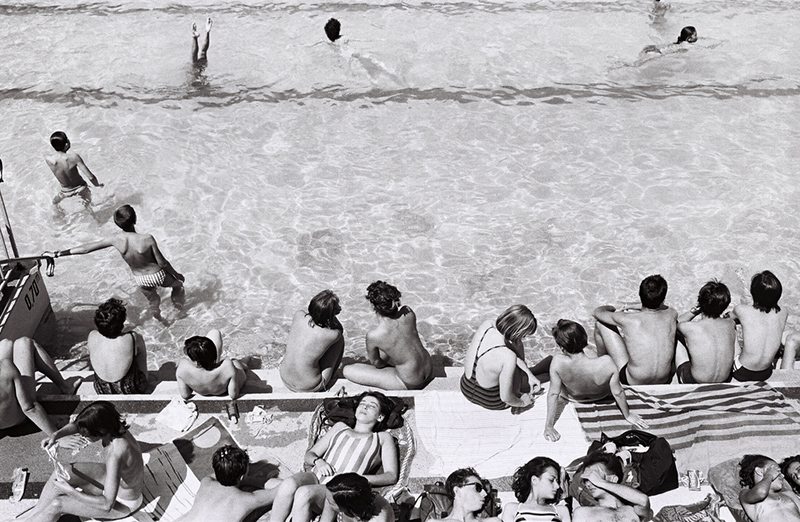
[385, 437]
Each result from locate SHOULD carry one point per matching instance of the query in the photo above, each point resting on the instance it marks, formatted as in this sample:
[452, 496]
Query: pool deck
[264, 387]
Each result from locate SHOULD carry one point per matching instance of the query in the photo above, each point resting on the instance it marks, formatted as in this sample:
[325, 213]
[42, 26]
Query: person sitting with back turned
[616, 502]
[398, 360]
[19, 361]
[315, 346]
[503, 379]
[206, 372]
[65, 164]
[200, 58]
[762, 329]
[641, 341]
[149, 267]
[575, 376]
[763, 497]
[119, 361]
[221, 497]
[710, 339]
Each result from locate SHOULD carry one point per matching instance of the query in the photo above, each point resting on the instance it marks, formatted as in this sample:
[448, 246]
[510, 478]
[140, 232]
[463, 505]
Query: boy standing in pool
[65, 164]
[640, 340]
[150, 268]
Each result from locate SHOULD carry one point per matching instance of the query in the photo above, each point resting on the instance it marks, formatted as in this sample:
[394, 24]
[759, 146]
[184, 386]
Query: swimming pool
[473, 153]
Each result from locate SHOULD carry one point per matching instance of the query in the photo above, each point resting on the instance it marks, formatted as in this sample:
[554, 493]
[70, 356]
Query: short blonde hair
[516, 323]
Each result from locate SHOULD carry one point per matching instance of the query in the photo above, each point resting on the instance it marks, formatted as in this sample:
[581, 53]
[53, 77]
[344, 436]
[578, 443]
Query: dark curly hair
[353, 495]
[100, 419]
[748, 465]
[611, 462]
[230, 464]
[385, 298]
[521, 483]
[110, 318]
[201, 350]
[385, 404]
[785, 470]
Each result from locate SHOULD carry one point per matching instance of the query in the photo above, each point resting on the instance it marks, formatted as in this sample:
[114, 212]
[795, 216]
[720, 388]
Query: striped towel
[706, 424]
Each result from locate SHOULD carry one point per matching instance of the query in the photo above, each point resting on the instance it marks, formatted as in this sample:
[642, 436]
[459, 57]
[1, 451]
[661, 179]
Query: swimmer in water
[688, 35]
[333, 29]
[67, 166]
[200, 58]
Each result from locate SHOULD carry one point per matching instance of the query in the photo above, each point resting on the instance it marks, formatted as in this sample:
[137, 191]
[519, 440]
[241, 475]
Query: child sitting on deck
[206, 372]
[762, 329]
[709, 338]
[616, 502]
[576, 376]
[764, 498]
[221, 497]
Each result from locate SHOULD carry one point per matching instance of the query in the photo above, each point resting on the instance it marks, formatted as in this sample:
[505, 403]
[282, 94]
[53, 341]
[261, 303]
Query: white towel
[178, 414]
[495, 443]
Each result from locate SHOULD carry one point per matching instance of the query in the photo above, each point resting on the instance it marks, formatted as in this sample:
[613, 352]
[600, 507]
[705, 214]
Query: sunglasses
[477, 485]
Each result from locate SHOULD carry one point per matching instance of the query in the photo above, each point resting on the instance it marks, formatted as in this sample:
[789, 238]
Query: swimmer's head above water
[333, 29]
[125, 218]
[688, 34]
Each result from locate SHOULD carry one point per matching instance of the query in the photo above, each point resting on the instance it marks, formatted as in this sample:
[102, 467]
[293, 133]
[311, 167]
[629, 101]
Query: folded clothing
[178, 414]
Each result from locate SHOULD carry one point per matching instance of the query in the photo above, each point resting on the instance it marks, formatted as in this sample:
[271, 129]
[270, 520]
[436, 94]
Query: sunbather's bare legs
[609, 341]
[28, 356]
[201, 56]
[368, 375]
[790, 345]
[282, 506]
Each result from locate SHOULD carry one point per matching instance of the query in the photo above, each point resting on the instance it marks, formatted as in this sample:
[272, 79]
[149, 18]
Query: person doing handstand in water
[200, 57]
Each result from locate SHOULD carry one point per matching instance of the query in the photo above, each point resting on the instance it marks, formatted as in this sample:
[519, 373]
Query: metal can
[694, 479]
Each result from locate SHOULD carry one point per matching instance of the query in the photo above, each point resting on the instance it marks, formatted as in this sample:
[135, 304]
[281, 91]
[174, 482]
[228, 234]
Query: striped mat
[707, 424]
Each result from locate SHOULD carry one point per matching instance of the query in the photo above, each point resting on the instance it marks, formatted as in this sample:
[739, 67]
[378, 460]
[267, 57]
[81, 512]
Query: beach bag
[652, 471]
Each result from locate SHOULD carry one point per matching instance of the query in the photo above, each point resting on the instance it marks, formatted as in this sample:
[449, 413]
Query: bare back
[217, 502]
[488, 369]
[585, 378]
[131, 465]
[206, 382]
[761, 333]
[650, 340]
[10, 412]
[711, 344]
[111, 358]
[399, 342]
[65, 168]
[139, 251]
[307, 344]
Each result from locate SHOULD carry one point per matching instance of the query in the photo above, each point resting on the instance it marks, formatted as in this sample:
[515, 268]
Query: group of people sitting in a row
[344, 465]
[641, 345]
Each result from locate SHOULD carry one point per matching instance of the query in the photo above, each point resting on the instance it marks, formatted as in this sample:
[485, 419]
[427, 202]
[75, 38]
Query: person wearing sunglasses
[469, 493]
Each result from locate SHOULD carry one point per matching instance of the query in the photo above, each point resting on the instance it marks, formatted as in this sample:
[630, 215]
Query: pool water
[475, 153]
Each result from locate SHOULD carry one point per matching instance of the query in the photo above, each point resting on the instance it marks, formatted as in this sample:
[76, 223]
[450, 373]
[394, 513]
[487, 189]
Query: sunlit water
[476, 154]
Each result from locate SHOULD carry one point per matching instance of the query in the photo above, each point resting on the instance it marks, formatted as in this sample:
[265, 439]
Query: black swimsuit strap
[478, 356]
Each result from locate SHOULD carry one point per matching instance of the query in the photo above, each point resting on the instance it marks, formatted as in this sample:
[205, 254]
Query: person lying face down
[221, 497]
[763, 497]
[616, 502]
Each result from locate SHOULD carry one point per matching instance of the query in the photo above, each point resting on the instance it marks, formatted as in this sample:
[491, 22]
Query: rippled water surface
[476, 154]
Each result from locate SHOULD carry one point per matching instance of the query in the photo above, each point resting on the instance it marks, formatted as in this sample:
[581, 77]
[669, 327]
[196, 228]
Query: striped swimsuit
[536, 514]
[347, 453]
[488, 398]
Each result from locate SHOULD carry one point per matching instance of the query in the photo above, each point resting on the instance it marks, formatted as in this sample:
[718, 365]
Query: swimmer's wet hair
[686, 33]
[125, 217]
[747, 467]
[785, 470]
[521, 483]
[323, 309]
[100, 419]
[385, 404]
[353, 495]
[230, 464]
[110, 318]
[766, 290]
[201, 350]
[59, 140]
[611, 462]
[570, 336]
[385, 298]
[516, 322]
[713, 299]
[653, 291]
[332, 29]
